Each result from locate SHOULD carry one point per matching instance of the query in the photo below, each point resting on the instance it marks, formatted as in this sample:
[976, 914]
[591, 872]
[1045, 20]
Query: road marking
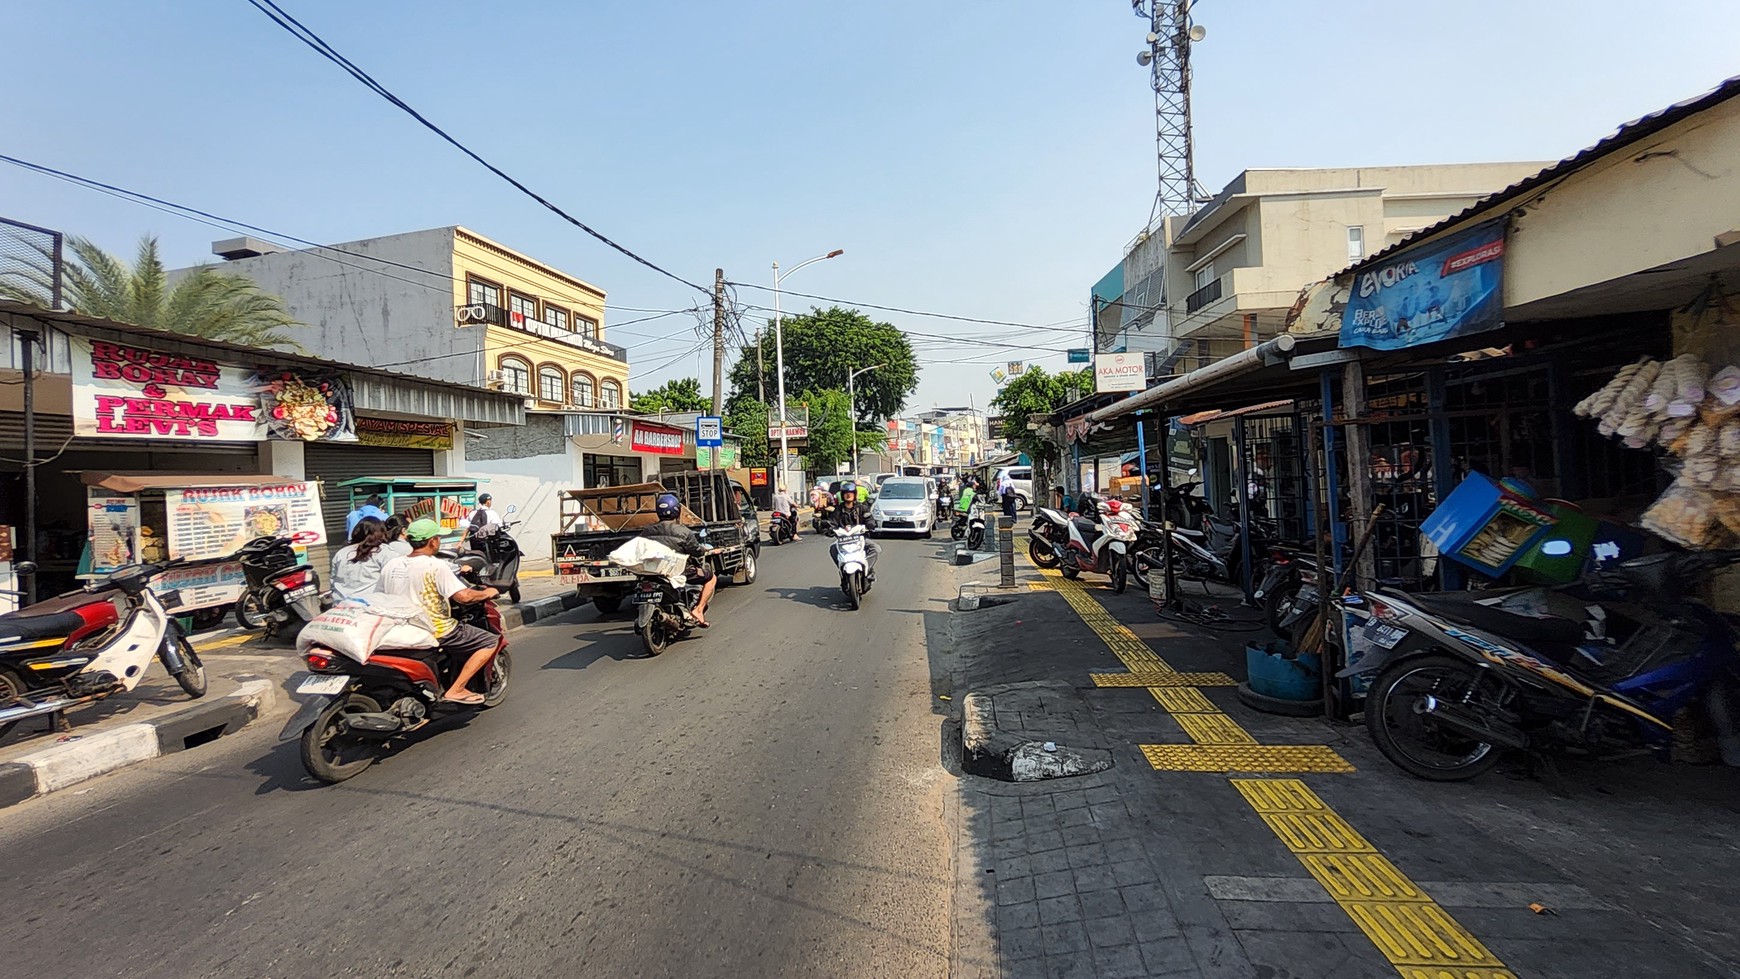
[1409, 928]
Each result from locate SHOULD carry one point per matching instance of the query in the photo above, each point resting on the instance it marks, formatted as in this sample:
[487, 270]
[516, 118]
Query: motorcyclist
[854, 511]
[674, 534]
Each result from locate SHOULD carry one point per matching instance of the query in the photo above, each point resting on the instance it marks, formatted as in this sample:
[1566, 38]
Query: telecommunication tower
[1170, 36]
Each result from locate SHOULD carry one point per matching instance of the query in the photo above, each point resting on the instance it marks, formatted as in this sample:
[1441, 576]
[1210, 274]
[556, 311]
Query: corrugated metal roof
[1625, 135]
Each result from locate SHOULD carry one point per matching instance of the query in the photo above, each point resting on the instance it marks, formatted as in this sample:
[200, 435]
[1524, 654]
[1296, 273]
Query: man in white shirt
[431, 581]
[484, 520]
[784, 504]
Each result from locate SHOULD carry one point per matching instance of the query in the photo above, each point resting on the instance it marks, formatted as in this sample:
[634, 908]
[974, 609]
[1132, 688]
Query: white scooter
[853, 561]
[1080, 544]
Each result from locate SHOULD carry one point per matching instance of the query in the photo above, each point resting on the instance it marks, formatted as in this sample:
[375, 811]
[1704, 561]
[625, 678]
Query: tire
[1278, 601]
[1022, 503]
[607, 604]
[11, 688]
[514, 593]
[206, 618]
[746, 574]
[1145, 562]
[655, 636]
[1041, 556]
[319, 735]
[494, 679]
[192, 680]
[1120, 575]
[975, 540]
[249, 614]
[853, 596]
[1387, 711]
[958, 531]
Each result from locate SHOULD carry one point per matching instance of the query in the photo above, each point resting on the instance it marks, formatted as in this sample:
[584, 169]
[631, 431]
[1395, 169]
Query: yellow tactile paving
[1181, 700]
[1252, 758]
[1416, 935]
[1162, 680]
[1215, 728]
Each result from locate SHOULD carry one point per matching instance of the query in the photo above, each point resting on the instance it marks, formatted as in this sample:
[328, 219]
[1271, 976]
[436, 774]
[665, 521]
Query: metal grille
[1278, 467]
[30, 264]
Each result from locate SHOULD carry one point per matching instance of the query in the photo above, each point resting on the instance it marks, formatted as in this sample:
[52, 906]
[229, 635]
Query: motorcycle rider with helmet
[853, 511]
[674, 534]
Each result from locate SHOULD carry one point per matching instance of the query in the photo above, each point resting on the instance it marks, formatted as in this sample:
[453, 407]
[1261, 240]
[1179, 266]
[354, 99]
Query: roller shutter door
[334, 462]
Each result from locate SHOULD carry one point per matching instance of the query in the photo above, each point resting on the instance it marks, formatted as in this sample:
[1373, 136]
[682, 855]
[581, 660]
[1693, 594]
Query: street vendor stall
[449, 501]
[202, 518]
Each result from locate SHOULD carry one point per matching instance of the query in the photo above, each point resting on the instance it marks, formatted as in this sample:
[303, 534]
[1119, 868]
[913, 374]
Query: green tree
[682, 394]
[1036, 392]
[830, 441]
[747, 419]
[821, 348]
[203, 302]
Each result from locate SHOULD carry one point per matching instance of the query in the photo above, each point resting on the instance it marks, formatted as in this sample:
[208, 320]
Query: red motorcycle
[356, 709]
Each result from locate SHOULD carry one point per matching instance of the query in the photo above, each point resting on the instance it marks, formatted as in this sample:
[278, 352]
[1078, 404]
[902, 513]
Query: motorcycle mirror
[1558, 547]
[513, 508]
[1192, 471]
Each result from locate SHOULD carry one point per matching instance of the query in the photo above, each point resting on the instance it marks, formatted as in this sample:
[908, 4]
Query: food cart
[447, 500]
[203, 518]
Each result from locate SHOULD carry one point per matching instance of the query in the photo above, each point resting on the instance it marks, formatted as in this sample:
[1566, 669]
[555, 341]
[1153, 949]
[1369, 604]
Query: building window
[557, 318]
[516, 376]
[478, 291]
[610, 394]
[587, 326]
[1355, 243]
[1204, 276]
[524, 305]
[603, 470]
[550, 384]
[583, 390]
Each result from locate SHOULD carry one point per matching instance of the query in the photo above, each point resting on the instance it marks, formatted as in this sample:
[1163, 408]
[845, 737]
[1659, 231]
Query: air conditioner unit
[495, 380]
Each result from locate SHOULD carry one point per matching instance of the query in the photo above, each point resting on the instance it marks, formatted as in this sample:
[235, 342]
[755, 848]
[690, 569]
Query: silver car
[906, 505]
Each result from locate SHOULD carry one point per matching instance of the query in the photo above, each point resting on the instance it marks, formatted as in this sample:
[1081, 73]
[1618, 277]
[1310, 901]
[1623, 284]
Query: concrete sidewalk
[247, 680]
[1228, 843]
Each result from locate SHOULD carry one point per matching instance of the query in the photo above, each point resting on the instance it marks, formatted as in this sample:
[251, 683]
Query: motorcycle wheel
[11, 688]
[191, 680]
[1144, 563]
[1404, 737]
[975, 540]
[249, 612]
[1041, 556]
[853, 595]
[494, 678]
[1120, 576]
[1278, 602]
[655, 635]
[321, 758]
[957, 530]
[514, 593]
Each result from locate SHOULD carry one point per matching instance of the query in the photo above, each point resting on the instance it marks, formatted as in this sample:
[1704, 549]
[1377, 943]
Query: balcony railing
[1202, 297]
[480, 314]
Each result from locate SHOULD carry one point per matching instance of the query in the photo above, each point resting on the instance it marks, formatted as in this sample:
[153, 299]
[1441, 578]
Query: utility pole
[718, 341]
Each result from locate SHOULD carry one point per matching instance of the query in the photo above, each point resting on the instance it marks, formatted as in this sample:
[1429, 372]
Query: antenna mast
[1170, 36]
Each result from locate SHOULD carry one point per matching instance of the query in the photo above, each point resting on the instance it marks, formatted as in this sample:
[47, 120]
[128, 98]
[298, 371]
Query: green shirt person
[965, 503]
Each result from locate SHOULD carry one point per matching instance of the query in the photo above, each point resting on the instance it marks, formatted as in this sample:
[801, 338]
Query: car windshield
[894, 490]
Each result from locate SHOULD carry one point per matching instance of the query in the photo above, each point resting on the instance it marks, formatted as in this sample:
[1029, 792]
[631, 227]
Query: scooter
[1607, 669]
[1288, 590]
[780, 528]
[1047, 536]
[90, 644]
[502, 556]
[278, 587]
[853, 560]
[1099, 548]
[661, 610]
[355, 708]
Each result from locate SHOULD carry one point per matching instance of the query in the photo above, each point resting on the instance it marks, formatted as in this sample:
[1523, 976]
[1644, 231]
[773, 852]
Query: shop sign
[202, 586]
[656, 439]
[758, 476]
[790, 432]
[112, 524]
[122, 391]
[391, 433]
[1080, 355]
[724, 457]
[1450, 288]
[215, 521]
[1119, 372]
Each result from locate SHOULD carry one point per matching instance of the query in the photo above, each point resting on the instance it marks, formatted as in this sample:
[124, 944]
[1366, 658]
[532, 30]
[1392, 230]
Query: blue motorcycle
[1605, 667]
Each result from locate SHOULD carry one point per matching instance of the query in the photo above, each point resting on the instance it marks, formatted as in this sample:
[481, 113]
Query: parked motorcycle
[502, 554]
[1604, 666]
[90, 644]
[278, 587]
[355, 709]
[853, 560]
[1047, 536]
[1097, 548]
[1288, 590]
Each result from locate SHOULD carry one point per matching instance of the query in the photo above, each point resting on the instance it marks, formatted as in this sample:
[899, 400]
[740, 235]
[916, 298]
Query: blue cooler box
[1485, 526]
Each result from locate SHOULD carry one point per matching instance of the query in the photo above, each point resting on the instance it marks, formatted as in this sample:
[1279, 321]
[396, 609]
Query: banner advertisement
[1450, 288]
[390, 433]
[122, 391]
[215, 521]
[657, 439]
[113, 522]
[1119, 372]
[203, 585]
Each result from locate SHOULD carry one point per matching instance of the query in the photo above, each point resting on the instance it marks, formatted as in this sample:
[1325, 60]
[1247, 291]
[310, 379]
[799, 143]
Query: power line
[296, 29]
[909, 312]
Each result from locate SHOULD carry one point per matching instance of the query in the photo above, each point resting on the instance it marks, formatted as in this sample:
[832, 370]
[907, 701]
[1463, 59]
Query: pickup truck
[595, 522]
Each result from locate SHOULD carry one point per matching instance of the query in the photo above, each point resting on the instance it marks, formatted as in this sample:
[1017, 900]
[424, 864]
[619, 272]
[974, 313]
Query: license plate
[1386, 636]
[323, 685]
[303, 592]
[642, 597]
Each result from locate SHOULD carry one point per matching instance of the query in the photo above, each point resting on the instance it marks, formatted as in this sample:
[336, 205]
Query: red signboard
[757, 477]
[658, 439]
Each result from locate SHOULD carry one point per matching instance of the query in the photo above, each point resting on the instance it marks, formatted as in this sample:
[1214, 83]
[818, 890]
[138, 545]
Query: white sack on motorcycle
[644, 555]
[358, 628]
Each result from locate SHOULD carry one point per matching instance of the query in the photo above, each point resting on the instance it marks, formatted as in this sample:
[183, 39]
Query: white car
[1022, 477]
[906, 505]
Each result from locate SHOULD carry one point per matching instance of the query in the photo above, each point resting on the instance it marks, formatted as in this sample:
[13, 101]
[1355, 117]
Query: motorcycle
[780, 528]
[90, 644]
[355, 708]
[661, 610]
[501, 553]
[1461, 677]
[1288, 590]
[853, 560]
[1097, 548]
[277, 588]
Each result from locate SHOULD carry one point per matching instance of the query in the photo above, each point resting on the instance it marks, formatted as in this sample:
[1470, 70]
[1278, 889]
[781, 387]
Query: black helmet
[668, 506]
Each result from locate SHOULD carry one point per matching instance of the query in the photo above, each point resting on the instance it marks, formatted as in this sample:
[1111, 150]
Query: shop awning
[134, 482]
[1248, 377]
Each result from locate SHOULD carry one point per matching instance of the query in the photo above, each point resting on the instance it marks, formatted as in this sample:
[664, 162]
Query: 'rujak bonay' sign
[123, 391]
[1449, 288]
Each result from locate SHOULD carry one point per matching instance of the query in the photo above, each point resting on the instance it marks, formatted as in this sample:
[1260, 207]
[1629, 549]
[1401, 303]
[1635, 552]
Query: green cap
[421, 530]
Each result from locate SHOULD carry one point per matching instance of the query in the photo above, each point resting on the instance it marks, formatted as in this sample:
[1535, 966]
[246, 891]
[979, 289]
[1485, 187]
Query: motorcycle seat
[1462, 607]
[1088, 528]
[17, 626]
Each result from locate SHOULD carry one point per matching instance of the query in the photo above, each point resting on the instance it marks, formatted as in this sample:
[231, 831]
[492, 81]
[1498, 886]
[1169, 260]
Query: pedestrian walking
[1006, 492]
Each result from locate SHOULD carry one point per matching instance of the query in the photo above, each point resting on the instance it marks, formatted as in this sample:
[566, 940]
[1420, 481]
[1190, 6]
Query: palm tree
[203, 302]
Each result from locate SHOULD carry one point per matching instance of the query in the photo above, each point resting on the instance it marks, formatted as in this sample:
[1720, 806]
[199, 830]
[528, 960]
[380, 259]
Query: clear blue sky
[983, 159]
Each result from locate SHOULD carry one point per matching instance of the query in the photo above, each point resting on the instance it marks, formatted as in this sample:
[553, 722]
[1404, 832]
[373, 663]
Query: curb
[524, 614]
[974, 595]
[989, 753]
[61, 765]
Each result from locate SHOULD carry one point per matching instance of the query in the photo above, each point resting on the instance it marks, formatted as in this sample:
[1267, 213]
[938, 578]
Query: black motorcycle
[502, 555]
[278, 587]
[662, 610]
[780, 528]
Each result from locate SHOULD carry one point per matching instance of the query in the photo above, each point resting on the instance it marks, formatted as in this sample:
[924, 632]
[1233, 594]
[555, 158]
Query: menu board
[215, 521]
[113, 522]
[202, 586]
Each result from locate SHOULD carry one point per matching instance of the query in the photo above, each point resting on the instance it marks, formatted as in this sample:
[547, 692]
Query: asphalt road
[763, 800]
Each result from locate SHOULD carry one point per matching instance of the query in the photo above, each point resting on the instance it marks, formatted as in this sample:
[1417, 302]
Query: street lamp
[852, 410]
[779, 352]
